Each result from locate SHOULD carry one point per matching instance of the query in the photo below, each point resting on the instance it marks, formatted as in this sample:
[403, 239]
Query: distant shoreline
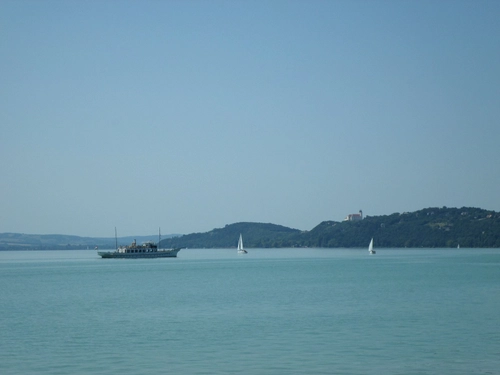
[434, 227]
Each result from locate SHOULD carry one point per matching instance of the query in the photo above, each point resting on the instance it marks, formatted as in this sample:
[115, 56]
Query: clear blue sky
[190, 115]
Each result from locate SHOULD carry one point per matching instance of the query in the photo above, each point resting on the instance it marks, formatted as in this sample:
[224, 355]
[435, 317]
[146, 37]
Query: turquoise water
[272, 311]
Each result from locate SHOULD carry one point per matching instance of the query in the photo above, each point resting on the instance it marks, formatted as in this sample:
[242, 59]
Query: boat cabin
[146, 247]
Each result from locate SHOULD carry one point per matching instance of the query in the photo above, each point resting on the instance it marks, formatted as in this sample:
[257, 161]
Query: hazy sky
[190, 115]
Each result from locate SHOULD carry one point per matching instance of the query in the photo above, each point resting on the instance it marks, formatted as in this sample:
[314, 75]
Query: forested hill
[430, 227]
[254, 235]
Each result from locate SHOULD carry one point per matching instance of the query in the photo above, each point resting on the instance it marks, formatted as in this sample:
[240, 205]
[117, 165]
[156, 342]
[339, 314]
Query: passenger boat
[146, 250]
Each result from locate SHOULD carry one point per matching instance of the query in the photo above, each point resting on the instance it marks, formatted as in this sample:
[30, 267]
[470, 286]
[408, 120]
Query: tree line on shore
[427, 228]
[430, 228]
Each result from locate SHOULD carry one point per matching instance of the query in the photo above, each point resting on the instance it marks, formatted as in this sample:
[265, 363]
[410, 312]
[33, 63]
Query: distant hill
[19, 241]
[430, 227]
[254, 235]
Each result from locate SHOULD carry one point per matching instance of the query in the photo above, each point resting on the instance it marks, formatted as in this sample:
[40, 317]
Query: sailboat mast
[116, 241]
[159, 237]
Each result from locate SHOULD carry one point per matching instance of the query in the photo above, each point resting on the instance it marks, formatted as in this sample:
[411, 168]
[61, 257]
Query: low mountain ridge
[429, 227]
[21, 241]
[254, 235]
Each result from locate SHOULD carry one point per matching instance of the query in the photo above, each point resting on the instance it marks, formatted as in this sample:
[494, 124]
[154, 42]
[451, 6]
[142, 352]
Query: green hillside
[430, 227]
[255, 235]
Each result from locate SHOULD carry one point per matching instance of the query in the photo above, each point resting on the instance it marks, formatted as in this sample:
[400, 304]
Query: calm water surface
[272, 311]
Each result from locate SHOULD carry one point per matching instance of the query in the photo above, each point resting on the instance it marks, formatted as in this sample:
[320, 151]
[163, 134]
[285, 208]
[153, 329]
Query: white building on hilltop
[354, 217]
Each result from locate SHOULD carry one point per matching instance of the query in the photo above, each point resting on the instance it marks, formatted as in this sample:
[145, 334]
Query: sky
[191, 115]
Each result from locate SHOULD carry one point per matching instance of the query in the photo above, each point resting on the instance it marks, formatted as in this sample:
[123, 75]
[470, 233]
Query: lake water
[272, 311]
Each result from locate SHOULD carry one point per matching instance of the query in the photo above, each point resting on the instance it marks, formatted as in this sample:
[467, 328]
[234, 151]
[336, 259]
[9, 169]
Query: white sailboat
[370, 247]
[241, 250]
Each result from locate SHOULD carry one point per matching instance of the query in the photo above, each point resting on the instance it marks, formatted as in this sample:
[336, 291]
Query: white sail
[370, 247]
[241, 250]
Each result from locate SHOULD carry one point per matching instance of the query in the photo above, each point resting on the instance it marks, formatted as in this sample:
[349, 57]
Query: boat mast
[116, 241]
[159, 238]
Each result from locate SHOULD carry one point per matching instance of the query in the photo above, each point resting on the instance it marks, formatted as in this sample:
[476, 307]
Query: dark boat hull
[171, 253]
